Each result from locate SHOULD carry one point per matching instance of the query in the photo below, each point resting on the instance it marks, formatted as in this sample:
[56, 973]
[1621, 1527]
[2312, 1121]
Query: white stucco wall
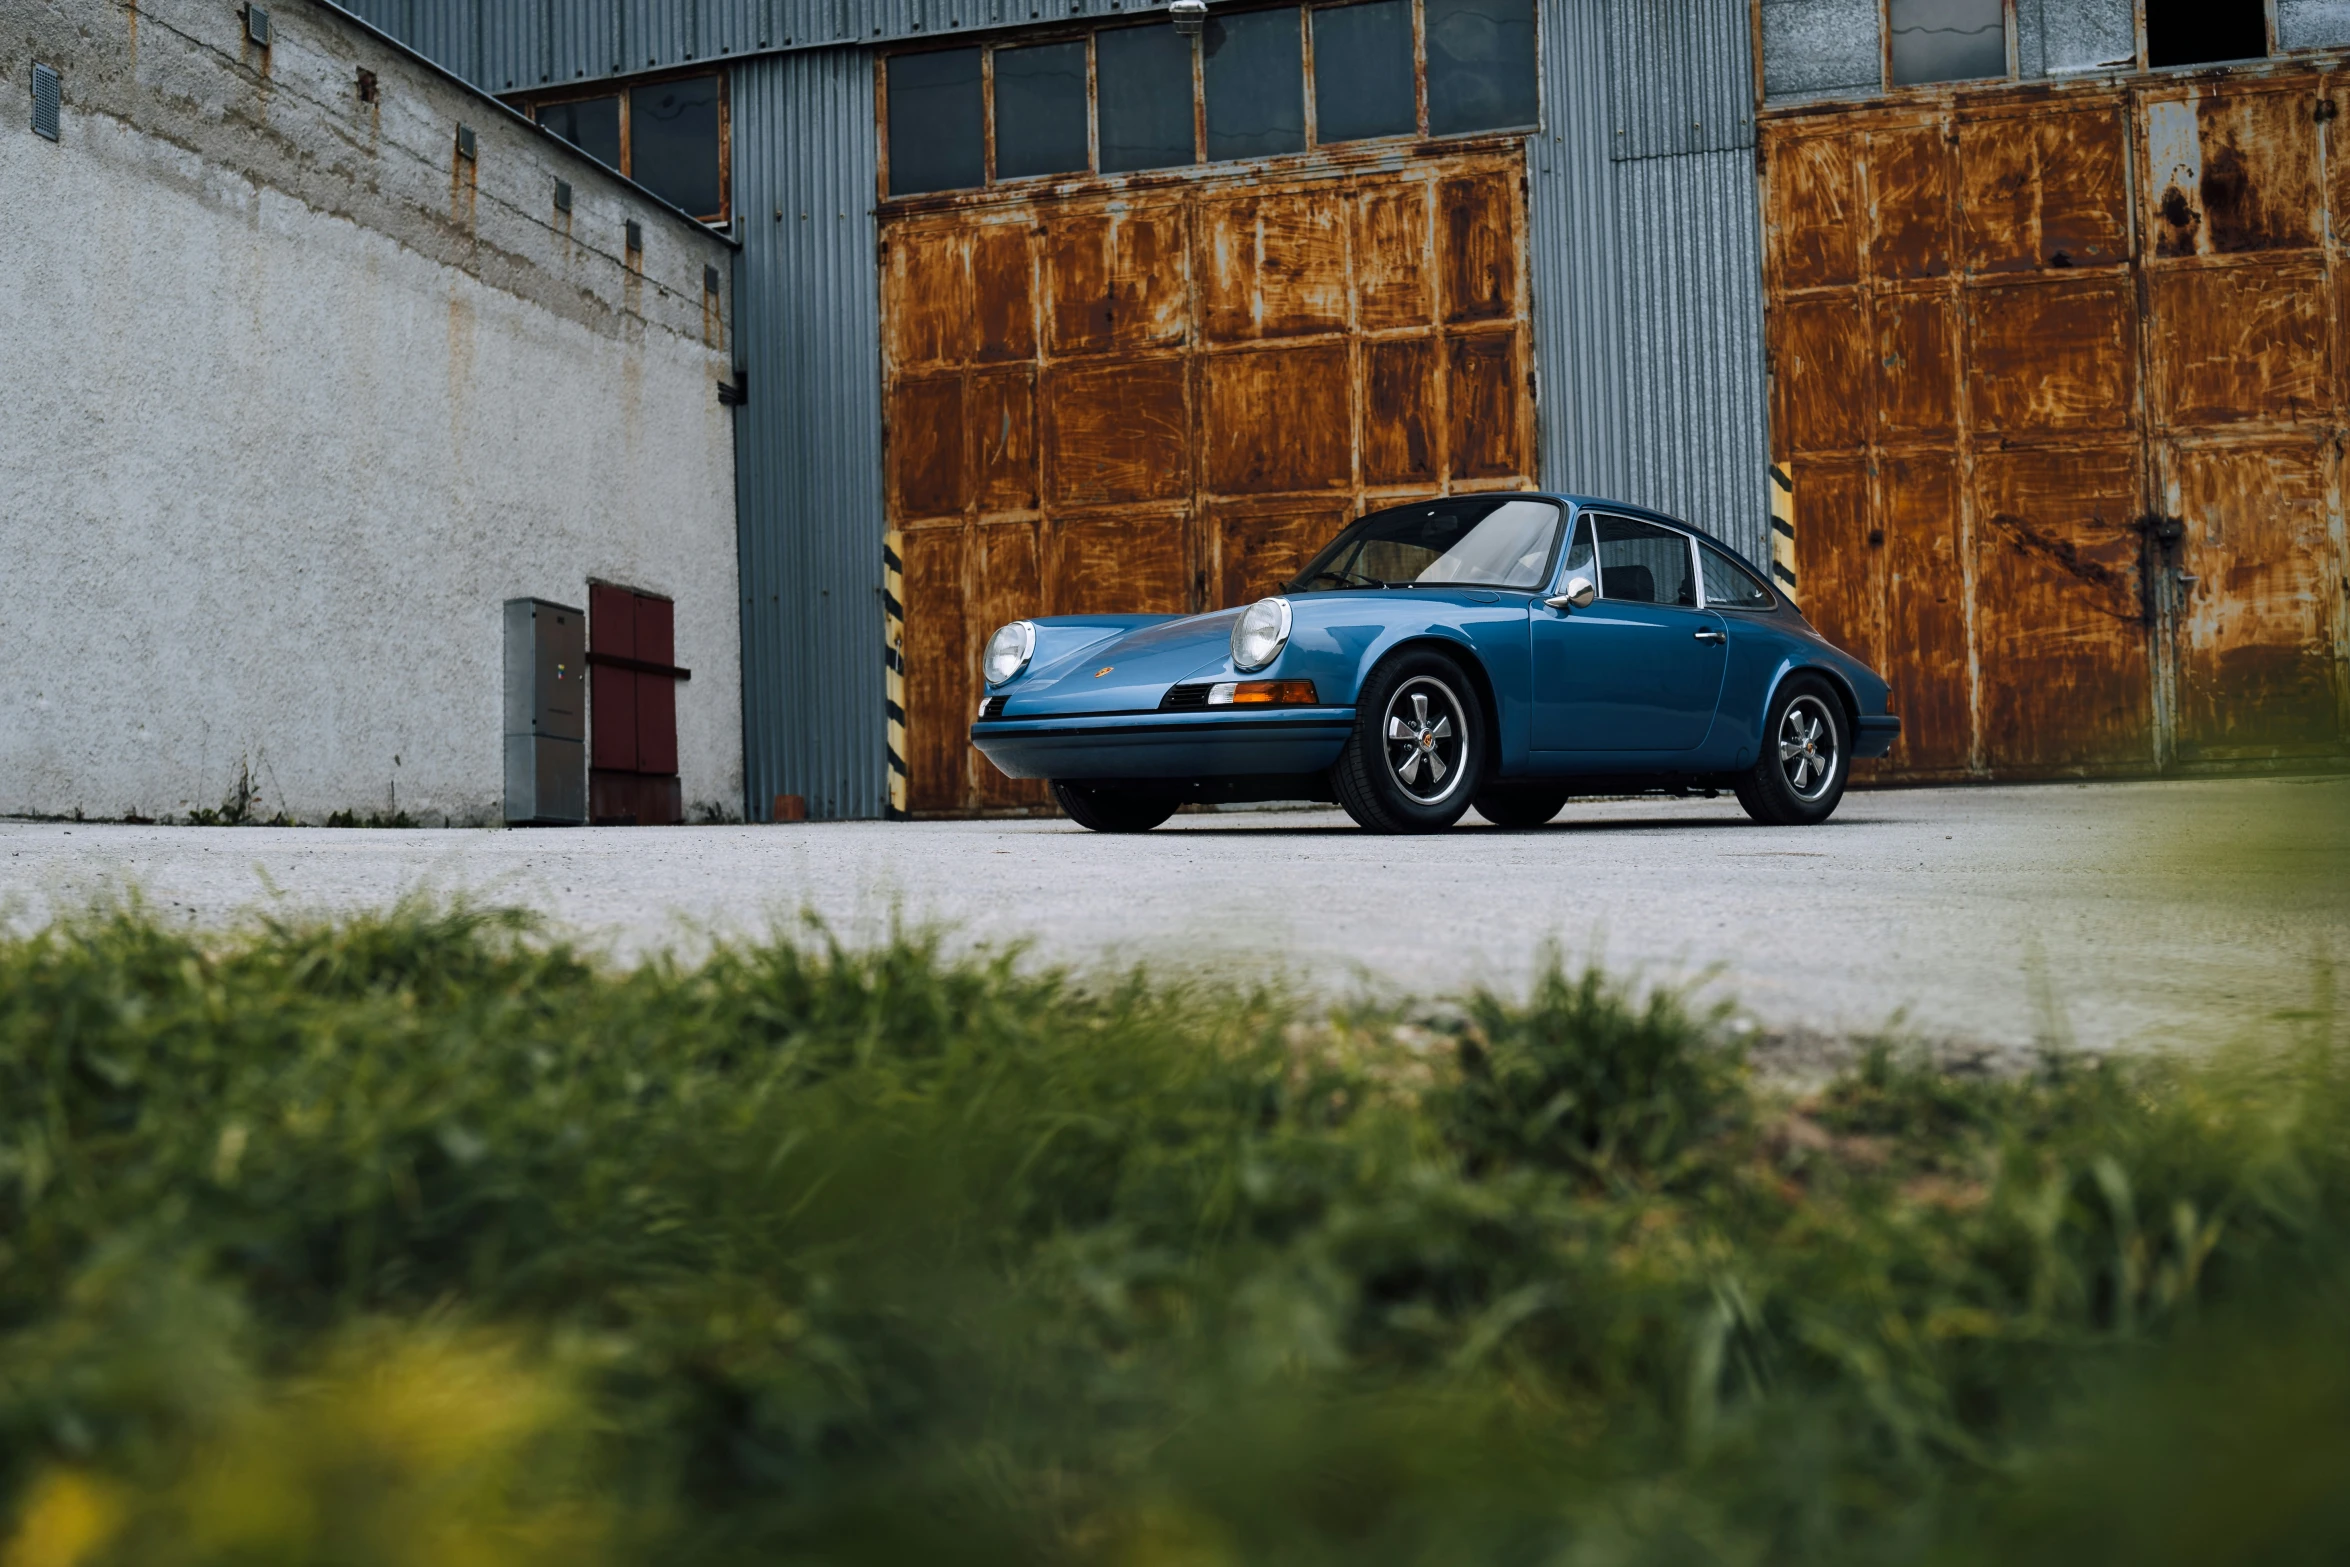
[296, 399]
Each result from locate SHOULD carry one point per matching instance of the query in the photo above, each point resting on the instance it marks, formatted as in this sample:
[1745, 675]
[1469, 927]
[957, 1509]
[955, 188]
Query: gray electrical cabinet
[546, 713]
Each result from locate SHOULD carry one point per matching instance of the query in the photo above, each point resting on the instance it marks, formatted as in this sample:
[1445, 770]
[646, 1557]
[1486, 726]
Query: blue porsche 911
[1501, 651]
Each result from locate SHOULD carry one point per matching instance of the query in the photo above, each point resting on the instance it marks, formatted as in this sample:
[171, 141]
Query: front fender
[1337, 640]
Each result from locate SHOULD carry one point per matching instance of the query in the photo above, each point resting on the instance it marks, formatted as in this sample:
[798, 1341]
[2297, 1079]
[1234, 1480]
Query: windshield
[1484, 541]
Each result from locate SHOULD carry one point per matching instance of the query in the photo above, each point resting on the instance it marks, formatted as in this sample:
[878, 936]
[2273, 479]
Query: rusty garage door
[2058, 374]
[1166, 399]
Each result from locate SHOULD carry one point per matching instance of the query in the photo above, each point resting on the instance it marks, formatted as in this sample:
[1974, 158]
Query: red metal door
[632, 708]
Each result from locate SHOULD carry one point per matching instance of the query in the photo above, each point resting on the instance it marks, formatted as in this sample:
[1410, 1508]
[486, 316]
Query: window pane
[1948, 40]
[1643, 564]
[1143, 78]
[673, 143]
[1363, 72]
[1040, 110]
[1579, 548]
[1480, 65]
[591, 124]
[1255, 75]
[1729, 585]
[935, 135]
[2196, 32]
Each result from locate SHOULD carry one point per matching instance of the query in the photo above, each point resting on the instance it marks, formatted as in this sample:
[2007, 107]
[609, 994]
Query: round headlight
[1007, 652]
[1260, 633]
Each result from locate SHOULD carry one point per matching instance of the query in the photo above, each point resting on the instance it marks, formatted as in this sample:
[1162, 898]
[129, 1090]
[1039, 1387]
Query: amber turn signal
[1247, 693]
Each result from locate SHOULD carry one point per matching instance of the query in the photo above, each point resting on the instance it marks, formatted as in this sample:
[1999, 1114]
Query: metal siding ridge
[1571, 223]
[1692, 309]
[808, 466]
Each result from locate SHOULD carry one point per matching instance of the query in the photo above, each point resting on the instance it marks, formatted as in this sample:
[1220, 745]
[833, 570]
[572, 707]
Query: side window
[1578, 561]
[1729, 585]
[1363, 72]
[1641, 563]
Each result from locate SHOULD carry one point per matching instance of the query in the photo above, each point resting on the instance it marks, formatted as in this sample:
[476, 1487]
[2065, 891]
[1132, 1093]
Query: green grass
[425, 1238]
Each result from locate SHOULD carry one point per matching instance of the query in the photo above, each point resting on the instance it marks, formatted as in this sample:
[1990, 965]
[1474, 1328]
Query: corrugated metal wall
[808, 443]
[1648, 262]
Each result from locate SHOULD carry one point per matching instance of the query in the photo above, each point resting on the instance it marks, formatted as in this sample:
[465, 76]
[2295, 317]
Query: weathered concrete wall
[297, 397]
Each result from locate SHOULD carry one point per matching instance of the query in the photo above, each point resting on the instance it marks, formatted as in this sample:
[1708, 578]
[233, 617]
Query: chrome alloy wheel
[1424, 727]
[1807, 747]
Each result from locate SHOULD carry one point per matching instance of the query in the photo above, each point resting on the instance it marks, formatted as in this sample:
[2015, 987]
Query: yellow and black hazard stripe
[893, 658]
[1783, 532]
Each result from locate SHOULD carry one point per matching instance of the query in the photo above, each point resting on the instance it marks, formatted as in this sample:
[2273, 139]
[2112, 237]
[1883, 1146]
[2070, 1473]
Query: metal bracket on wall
[735, 393]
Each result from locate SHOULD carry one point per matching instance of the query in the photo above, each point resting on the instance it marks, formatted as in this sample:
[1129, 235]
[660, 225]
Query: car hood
[1117, 663]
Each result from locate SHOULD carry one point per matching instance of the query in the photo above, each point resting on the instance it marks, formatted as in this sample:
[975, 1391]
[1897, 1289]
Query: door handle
[1713, 636]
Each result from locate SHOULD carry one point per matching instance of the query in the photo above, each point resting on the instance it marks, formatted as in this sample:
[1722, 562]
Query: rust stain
[1168, 397]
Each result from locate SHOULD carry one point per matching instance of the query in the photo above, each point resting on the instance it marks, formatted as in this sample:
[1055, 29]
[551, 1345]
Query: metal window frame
[623, 88]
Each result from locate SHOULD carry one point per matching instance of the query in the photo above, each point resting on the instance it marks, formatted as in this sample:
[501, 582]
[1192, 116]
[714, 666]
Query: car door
[1639, 668]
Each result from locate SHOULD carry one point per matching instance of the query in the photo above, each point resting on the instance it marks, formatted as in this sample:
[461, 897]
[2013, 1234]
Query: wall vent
[48, 94]
[257, 25]
[563, 195]
[709, 280]
[636, 237]
[465, 142]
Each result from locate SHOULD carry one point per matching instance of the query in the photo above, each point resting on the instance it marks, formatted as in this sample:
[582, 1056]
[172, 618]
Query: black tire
[1519, 807]
[1112, 810]
[1790, 787]
[1417, 756]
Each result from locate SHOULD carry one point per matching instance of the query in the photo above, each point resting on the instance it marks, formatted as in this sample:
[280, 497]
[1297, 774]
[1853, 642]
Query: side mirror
[1579, 595]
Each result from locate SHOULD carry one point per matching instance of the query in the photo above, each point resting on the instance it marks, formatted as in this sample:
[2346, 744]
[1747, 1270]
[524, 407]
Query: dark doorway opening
[2196, 32]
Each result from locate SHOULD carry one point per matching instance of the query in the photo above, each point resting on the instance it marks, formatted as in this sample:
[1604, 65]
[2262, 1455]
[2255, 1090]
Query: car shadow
[1611, 825]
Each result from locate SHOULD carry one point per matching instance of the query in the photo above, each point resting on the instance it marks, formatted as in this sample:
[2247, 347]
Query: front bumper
[1166, 746]
[1875, 734]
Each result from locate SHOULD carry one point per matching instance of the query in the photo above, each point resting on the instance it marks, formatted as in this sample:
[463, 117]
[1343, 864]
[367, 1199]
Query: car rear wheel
[1519, 807]
[1112, 810]
[1806, 757]
[1417, 754]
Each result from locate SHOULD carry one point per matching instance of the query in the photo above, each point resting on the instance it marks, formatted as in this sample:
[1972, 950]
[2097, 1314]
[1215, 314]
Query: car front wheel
[1112, 810]
[1417, 755]
[1806, 757]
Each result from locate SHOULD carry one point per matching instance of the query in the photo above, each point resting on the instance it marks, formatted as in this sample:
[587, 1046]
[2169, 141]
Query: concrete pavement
[2118, 915]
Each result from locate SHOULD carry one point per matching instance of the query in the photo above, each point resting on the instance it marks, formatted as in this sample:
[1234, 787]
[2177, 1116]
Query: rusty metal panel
[1840, 564]
[2051, 356]
[2061, 615]
[1259, 547]
[2258, 664]
[2044, 189]
[2233, 170]
[1815, 210]
[1168, 399]
[2242, 344]
[1820, 353]
[1117, 431]
[1925, 635]
[1128, 562]
[942, 676]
